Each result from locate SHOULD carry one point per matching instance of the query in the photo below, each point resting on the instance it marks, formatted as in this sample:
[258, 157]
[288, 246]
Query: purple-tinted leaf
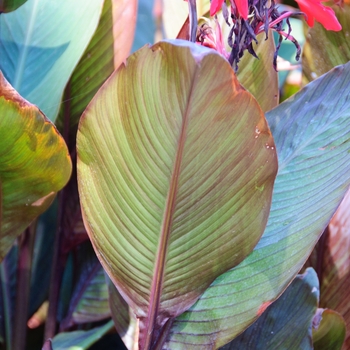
[176, 166]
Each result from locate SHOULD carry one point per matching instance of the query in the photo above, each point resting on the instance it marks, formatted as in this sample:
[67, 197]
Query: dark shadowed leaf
[89, 301]
[325, 49]
[176, 166]
[287, 323]
[8, 279]
[312, 135]
[41, 43]
[34, 164]
[330, 332]
[10, 5]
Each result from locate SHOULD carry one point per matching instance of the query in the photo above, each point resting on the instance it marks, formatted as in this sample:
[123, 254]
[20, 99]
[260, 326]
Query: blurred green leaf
[287, 323]
[193, 166]
[330, 332]
[312, 135]
[325, 49]
[41, 43]
[34, 164]
[145, 24]
[10, 5]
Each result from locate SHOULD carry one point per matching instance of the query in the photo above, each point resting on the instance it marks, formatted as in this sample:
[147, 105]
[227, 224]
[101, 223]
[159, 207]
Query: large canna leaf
[41, 43]
[287, 323]
[175, 168]
[312, 135]
[34, 164]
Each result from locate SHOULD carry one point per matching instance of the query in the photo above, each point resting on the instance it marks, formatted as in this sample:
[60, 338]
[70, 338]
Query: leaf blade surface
[185, 189]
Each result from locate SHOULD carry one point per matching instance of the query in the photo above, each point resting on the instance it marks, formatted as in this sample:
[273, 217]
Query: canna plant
[190, 198]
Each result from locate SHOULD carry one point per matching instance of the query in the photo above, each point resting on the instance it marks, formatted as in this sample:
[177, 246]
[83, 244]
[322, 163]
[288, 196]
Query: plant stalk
[24, 271]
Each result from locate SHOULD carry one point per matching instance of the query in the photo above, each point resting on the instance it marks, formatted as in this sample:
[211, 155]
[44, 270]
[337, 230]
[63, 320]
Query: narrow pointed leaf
[258, 75]
[167, 177]
[108, 48]
[325, 49]
[10, 5]
[34, 164]
[312, 135]
[79, 340]
[41, 43]
[330, 332]
[286, 323]
[335, 283]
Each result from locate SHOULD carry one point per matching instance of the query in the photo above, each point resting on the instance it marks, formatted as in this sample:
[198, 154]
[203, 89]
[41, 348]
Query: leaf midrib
[157, 280]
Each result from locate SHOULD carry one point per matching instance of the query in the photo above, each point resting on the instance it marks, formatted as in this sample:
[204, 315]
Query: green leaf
[108, 48]
[10, 5]
[124, 319]
[312, 135]
[258, 75]
[176, 166]
[34, 164]
[329, 334]
[287, 323]
[41, 43]
[325, 49]
[79, 340]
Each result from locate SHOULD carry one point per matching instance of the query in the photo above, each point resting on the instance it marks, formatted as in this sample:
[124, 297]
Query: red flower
[315, 11]
[241, 5]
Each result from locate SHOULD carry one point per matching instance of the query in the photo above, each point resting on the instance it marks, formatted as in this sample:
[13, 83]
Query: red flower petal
[242, 8]
[316, 11]
[215, 6]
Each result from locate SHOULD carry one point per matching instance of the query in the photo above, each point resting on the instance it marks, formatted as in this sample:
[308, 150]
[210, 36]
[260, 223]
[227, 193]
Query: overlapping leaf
[34, 164]
[287, 323]
[330, 332]
[312, 135]
[175, 167]
[41, 43]
[335, 282]
[258, 75]
[81, 340]
[108, 48]
[89, 301]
